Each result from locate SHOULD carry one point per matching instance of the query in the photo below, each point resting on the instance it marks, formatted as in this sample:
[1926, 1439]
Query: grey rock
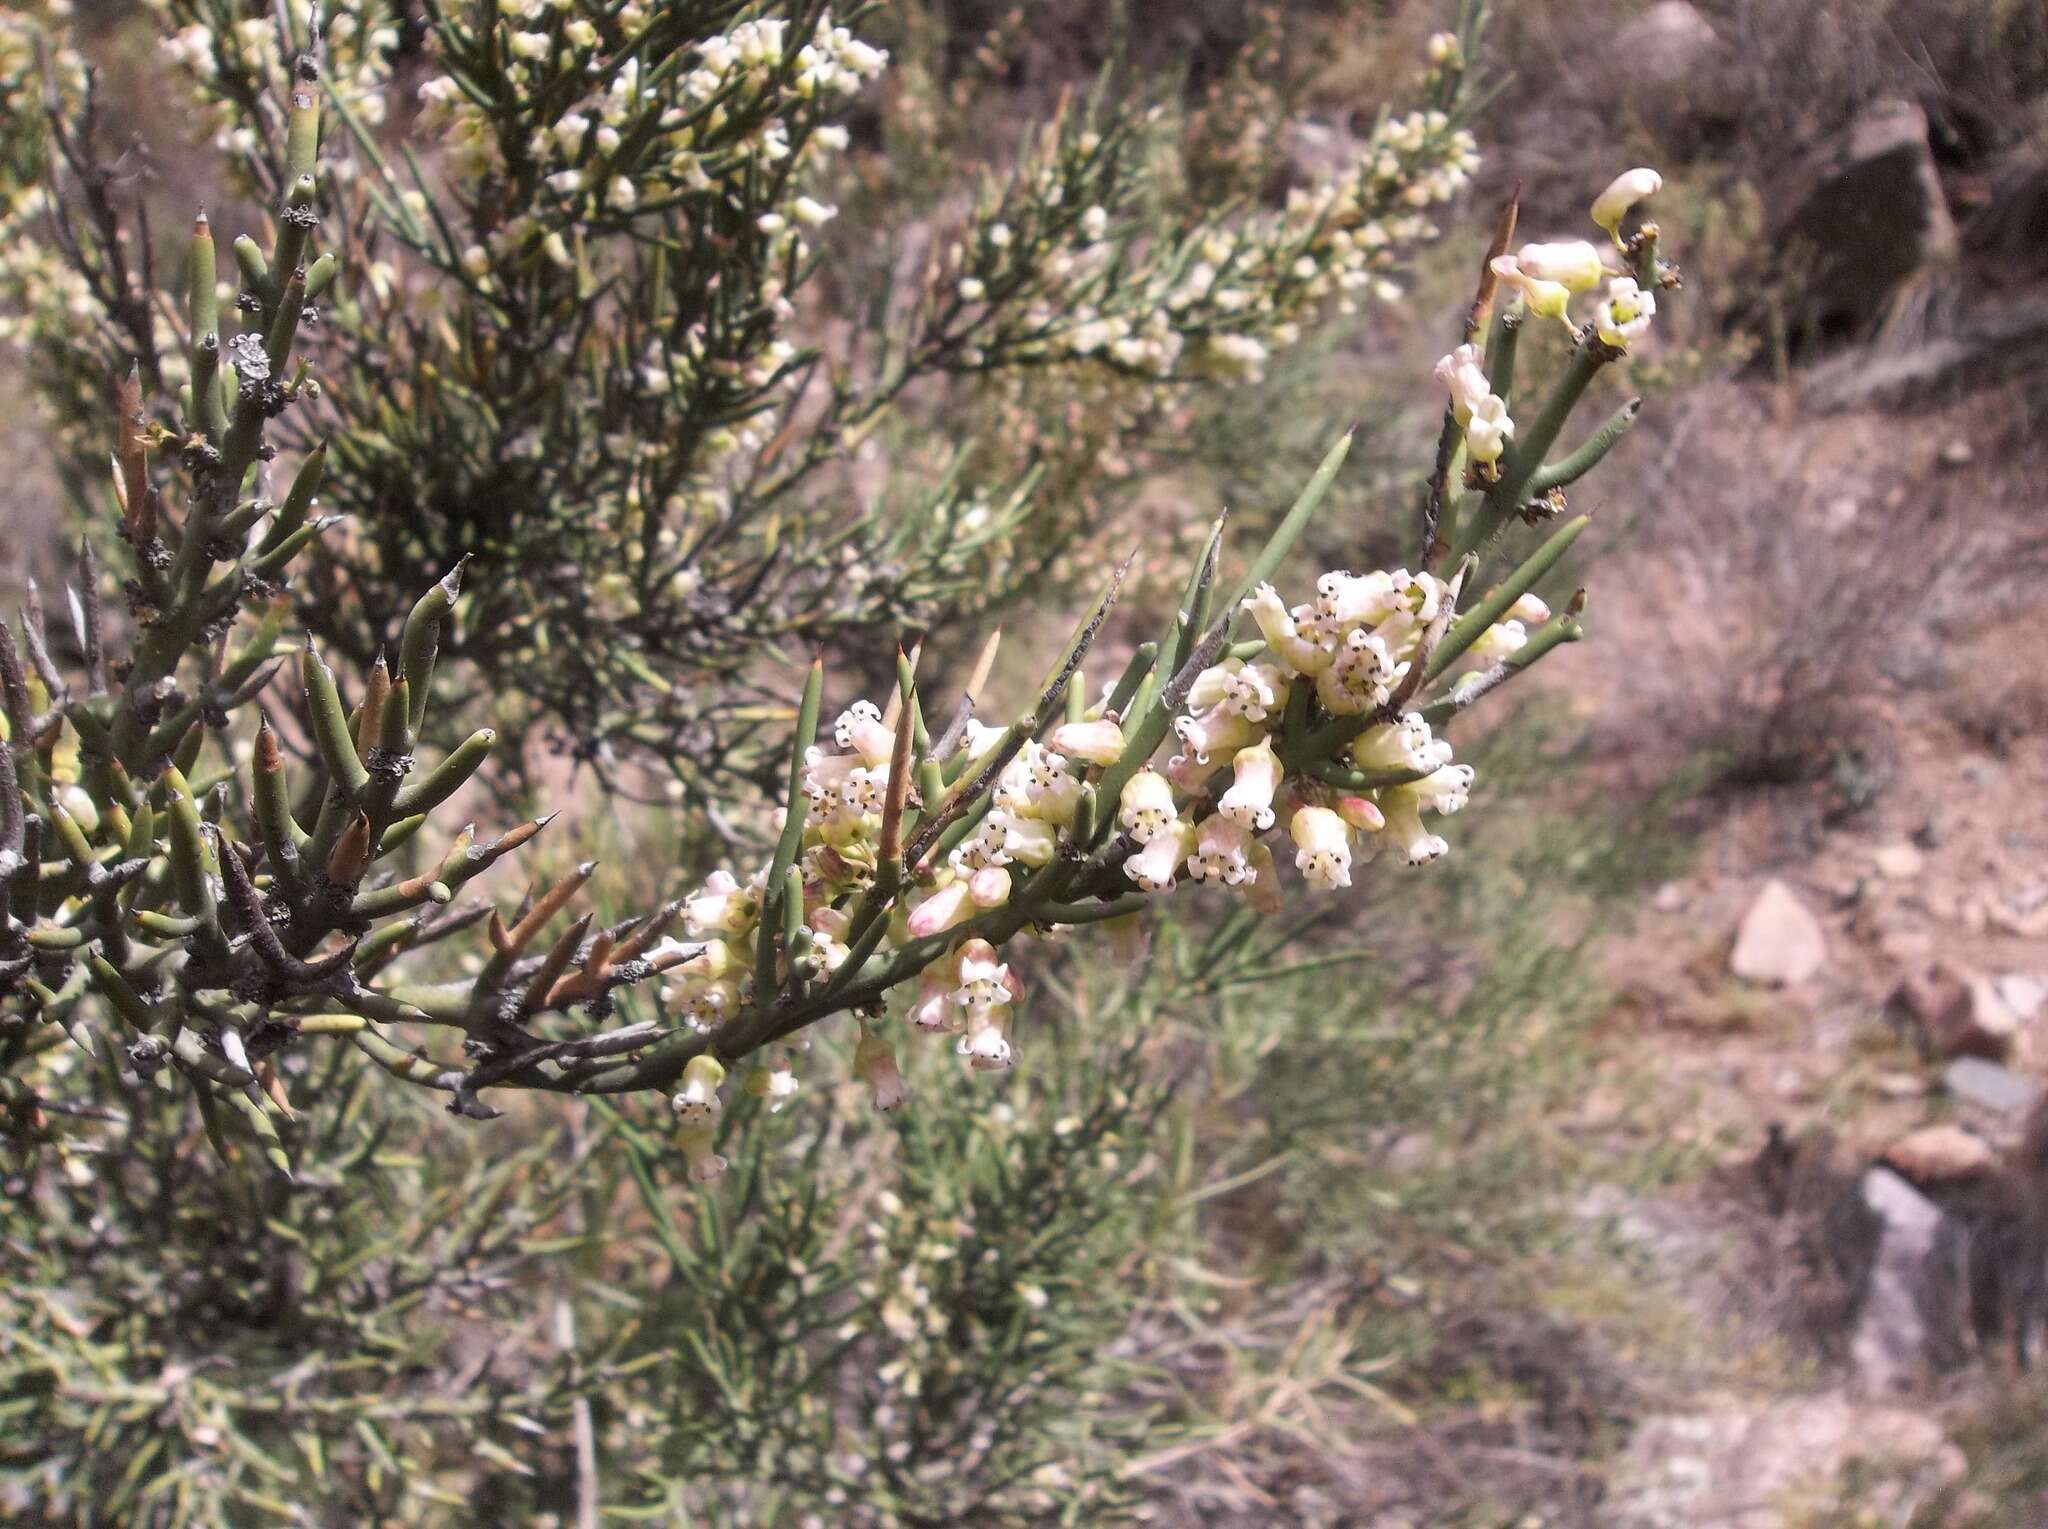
[1905, 1317]
[1866, 212]
[1990, 1086]
[1680, 73]
[1982, 348]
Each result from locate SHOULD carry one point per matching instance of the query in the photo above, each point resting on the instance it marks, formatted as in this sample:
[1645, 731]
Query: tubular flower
[934, 1008]
[1257, 775]
[722, 907]
[1100, 742]
[1276, 624]
[986, 1045]
[1362, 677]
[1322, 847]
[1622, 193]
[1463, 374]
[1222, 853]
[1153, 867]
[1545, 299]
[875, 1060]
[860, 728]
[698, 1143]
[983, 980]
[1238, 689]
[1625, 313]
[1215, 733]
[1489, 430]
[1147, 805]
[698, 1101]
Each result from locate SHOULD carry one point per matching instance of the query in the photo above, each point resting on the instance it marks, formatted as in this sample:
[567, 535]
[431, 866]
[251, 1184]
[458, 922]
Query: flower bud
[1100, 742]
[1276, 625]
[941, 910]
[1489, 430]
[1545, 299]
[1530, 610]
[1573, 264]
[1360, 813]
[1622, 193]
[989, 887]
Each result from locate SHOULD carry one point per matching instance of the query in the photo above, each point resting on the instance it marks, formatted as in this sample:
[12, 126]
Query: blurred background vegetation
[1432, 1226]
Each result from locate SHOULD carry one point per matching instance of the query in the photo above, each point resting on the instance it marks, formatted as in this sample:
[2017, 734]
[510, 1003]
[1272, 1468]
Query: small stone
[1958, 453]
[1669, 898]
[1840, 514]
[1779, 943]
[1957, 1012]
[1990, 1086]
[1939, 1155]
[2022, 995]
[1899, 862]
[1899, 1085]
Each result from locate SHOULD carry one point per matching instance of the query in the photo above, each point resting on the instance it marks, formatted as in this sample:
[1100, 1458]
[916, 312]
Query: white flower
[699, 1099]
[1574, 264]
[1153, 867]
[860, 728]
[1222, 852]
[723, 906]
[934, 1008]
[1251, 691]
[1622, 193]
[1257, 773]
[620, 195]
[983, 980]
[1215, 735]
[972, 289]
[1147, 805]
[1463, 374]
[1489, 430]
[986, 1045]
[1625, 313]
[697, 1142]
[534, 45]
[1277, 626]
[1094, 224]
[812, 212]
[1545, 299]
[1322, 847]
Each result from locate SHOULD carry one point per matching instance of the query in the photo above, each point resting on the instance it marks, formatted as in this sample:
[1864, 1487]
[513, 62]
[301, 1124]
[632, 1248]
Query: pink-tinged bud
[1222, 852]
[1360, 813]
[1276, 625]
[941, 910]
[1147, 803]
[698, 1101]
[989, 887]
[1257, 775]
[1530, 610]
[1573, 264]
[1189, 775]
[860, 728]
[834, 923]
[875, 1060]
[1622, 193]
[934, 1009]
[1100, 742]
[1154, 867]
[697, 1142]
[1322, 847]
[986, 1045]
